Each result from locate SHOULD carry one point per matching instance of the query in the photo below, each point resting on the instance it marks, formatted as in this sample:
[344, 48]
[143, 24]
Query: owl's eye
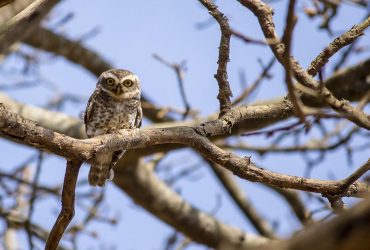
[109, 81]
[128, 83]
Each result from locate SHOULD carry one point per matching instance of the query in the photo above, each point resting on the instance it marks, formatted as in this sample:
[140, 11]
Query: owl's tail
[101, 170]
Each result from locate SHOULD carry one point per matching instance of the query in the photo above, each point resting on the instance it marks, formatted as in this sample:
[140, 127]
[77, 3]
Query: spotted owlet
[114, 105]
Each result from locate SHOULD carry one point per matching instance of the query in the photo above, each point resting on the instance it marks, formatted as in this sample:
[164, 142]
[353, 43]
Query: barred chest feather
[110, 115]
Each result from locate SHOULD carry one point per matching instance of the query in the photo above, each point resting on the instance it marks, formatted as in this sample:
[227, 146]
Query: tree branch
[23, 23]
[350, 230]
[68, 198]
[15, 127]
[242, 202]
[264, 14]
[224, 93]
[142, 185]
[338, 43]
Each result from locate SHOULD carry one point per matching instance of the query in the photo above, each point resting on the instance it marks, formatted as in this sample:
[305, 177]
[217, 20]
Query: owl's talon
[111, 175]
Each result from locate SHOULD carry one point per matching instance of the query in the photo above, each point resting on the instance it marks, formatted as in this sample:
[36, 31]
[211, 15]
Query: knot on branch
[203, 130]
[336, 203]
[227, 125]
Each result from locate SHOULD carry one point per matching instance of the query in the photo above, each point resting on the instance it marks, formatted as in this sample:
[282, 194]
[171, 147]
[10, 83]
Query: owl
[114, 105]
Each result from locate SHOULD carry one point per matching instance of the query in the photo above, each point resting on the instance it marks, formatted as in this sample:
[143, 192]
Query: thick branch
[5, 2]
[350, 230]
[9, 11]
[15, 127]
[147, 190]
[237, 194]
[23, 23]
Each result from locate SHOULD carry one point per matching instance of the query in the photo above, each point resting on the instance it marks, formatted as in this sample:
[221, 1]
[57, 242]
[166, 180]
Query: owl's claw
[111, 175]
[113, 131]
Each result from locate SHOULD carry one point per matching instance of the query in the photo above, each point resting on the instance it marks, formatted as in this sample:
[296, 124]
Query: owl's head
[120, 84]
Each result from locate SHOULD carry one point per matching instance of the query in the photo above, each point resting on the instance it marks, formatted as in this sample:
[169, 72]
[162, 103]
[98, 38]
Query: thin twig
[247, 39]
[248, 91]
[356, 175]
[287, 40]
[68, 198]
[179, 71]
[32, 199]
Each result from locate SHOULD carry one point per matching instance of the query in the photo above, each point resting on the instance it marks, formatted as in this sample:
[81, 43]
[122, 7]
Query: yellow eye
[128, 83]
[110, 81]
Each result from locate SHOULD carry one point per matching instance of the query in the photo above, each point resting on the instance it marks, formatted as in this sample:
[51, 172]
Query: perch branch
[17, 128]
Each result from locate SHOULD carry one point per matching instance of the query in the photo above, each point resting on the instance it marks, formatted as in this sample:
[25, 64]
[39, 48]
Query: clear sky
[129, 33]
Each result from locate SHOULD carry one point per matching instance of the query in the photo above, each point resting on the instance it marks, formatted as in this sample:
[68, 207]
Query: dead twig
[179, 71]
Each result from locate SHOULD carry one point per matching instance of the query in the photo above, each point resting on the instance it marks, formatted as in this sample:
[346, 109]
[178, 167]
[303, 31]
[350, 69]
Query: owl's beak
[119, 90]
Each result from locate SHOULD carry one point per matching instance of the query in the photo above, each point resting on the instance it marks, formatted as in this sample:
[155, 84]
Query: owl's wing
[139, 117]
[89, 108]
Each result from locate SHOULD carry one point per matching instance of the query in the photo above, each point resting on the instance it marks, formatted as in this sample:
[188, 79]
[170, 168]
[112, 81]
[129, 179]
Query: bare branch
[68, 198]
[338, 43]
[33, 198]
[264, 74]
[337, 204]
[264, 14]
[356, 175]
[37, 136]
[5, 2]
[142, 185]
[179, 71]
[287, 40]
[350, 230]
[295, 202]
[224, 93]
[23, 23]
[242, 202]
[247, 39]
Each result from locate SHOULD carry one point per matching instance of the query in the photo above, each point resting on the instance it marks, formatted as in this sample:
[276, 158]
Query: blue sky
[129, 33]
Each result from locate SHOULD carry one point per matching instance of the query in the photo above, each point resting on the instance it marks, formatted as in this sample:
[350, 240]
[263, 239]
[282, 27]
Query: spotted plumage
[114, 105]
